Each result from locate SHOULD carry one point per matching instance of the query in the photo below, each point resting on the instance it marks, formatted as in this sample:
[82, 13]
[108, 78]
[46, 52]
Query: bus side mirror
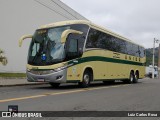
[22, 38]
[67, 32]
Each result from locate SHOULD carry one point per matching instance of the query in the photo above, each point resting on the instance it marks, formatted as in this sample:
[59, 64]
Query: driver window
[35, 48]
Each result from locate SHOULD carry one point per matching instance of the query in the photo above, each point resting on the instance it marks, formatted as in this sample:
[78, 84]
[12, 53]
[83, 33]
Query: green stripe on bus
[105, 59]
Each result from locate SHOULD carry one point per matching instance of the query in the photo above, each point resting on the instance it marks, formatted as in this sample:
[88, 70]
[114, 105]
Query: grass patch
[12, 75]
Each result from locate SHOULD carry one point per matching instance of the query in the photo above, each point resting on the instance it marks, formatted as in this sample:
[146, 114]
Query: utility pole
[153, 59]
[158, 60]
[155, 41]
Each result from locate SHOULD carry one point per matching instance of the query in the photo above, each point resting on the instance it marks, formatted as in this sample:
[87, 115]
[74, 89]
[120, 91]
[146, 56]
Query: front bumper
[54, 77]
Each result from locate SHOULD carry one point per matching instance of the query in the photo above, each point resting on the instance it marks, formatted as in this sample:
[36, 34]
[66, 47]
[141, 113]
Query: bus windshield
[46, 47]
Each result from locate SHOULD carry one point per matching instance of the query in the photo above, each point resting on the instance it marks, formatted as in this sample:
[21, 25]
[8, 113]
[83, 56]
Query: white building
[19, 17]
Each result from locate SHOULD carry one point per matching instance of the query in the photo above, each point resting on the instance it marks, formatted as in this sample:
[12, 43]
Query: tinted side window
[138, 52]
[130, 49]
[92, 41]
[101, 43]
[134, 49]
[110, 42]
[120, 45]
[142, 52]
[97, 39]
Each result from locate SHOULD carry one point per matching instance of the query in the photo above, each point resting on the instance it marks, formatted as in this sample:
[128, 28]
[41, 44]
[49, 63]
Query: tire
[87, 78]
[136, 77]
[131, 78]
[55, 85]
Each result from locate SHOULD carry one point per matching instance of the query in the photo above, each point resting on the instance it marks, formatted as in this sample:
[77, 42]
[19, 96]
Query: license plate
[40, 80]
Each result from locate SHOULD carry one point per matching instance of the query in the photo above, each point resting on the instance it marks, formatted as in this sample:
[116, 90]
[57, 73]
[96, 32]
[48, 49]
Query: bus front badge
[43, 57]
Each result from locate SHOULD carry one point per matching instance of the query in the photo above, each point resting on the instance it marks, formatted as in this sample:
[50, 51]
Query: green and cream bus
[79, 51]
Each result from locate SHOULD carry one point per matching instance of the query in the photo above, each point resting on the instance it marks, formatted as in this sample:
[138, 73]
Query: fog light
[59, 77]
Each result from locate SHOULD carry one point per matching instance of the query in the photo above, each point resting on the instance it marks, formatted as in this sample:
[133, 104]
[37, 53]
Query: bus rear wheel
[131, 78]
[136, 77]
[87, 77]
[55, 85]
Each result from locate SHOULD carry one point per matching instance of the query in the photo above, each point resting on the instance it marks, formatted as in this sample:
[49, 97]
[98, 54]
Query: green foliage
[16, 75]
[149, 55]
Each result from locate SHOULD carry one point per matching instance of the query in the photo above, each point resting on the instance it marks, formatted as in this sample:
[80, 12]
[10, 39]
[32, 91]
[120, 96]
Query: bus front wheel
[87, 77]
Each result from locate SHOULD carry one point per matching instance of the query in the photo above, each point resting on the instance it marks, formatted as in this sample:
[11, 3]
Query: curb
[25, 84]
[13, 78]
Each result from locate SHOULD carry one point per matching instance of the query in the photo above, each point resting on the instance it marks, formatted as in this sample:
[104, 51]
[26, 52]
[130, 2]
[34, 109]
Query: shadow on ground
[71, 86]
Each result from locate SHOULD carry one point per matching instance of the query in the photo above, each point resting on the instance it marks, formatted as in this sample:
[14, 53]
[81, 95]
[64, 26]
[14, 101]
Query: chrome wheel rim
[131, 78]
[86, 78]
[136, 76]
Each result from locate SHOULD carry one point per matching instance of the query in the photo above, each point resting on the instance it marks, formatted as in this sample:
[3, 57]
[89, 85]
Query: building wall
[19, 17]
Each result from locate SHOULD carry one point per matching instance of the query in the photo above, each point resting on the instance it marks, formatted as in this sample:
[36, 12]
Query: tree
[3, 59]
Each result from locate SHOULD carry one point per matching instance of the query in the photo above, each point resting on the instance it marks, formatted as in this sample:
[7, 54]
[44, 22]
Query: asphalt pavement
[143, 96]
[7, 82]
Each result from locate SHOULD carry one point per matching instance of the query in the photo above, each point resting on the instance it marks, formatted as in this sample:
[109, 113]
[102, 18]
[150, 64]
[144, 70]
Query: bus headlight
[60, 68]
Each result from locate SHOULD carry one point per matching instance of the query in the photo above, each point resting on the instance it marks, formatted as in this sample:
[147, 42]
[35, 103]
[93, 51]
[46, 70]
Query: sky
[137, 20]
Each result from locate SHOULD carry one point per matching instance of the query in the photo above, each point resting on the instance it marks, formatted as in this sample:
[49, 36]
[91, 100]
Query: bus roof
[89, 23]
